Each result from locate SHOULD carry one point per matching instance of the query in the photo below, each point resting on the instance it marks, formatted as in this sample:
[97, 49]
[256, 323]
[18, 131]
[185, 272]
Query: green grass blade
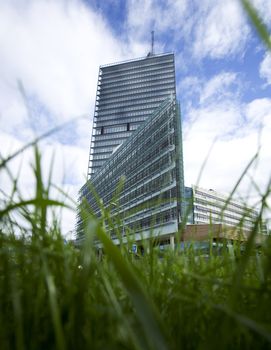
[144, 307]
[257, 22]
[34, 202]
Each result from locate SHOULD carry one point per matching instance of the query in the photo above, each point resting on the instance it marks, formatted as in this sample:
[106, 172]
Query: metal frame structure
[151, 163]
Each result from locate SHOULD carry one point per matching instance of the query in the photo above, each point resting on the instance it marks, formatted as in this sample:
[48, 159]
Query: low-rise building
[212, 207]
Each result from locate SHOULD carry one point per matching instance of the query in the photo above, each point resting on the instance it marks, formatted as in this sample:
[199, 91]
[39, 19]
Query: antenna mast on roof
[152, 42]
[151, 53]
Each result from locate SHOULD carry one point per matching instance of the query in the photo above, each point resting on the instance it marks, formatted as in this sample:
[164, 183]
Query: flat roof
[137, 59]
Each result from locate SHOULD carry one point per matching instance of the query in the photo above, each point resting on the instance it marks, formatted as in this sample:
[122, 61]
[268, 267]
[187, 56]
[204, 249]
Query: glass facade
[127, 94]
[150, 161]
[137, 136]
[209, 206]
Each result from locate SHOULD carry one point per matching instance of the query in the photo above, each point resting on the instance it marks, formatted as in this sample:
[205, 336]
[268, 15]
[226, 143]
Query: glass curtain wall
[127, 94]
[151, 164]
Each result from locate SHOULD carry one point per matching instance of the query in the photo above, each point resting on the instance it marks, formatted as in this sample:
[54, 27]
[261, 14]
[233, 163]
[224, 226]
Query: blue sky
[54, 48]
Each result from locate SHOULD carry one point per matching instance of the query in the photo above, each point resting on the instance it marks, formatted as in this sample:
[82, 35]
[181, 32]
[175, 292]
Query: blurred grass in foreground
[55, 296]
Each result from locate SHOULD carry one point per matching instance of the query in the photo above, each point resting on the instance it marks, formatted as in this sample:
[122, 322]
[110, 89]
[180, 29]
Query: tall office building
[137, 136]
[127, 94]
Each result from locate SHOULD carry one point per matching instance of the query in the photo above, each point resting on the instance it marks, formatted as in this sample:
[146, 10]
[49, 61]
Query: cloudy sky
[50, 52]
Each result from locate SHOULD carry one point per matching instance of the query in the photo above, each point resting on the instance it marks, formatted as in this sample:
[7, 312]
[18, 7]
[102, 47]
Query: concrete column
[172, 242]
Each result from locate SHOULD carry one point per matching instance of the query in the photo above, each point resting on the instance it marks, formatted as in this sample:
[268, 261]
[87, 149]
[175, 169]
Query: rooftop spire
[151, 53]
[152, 42]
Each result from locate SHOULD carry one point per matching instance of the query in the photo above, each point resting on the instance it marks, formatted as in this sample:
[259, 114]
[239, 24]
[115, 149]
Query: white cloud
[218, 87]
[169, 17]
[258, 112]
[237, 130]
[69, 171]
[264, 9]
[217, 120]
[49, 46]
[265, 69]
[221, 29]
[54, 48]
[189, 85]
[144, 15]
[233, 131]
[206, 28]
[226, 162]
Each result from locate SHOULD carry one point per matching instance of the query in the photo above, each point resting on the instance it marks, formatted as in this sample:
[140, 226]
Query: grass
[55, 296]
